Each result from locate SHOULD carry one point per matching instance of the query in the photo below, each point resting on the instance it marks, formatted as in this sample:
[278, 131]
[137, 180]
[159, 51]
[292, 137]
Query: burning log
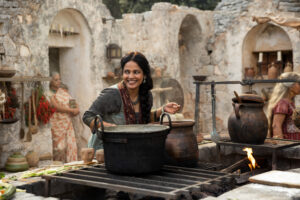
[235, 166]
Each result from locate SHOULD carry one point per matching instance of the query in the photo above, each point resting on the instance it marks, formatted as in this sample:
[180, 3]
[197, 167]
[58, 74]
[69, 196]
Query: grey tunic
[109, 106]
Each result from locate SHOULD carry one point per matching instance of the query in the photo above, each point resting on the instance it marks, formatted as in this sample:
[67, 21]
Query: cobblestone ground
[29, 196]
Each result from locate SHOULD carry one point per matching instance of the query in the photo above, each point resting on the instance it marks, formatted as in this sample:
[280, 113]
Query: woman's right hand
[74, 111]
[105, 124]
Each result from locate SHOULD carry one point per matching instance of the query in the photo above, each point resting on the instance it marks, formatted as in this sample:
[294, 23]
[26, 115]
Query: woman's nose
[131, 75]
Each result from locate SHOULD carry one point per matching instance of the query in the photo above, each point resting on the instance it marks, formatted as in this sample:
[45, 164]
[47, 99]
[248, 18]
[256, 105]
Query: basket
[296, 117]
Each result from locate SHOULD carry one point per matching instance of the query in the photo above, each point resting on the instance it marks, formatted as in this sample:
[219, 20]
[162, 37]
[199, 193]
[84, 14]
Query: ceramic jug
[249, 72]
[272, 71]
[288, 67]
[248, 122]
[87, 154]
[32, 158]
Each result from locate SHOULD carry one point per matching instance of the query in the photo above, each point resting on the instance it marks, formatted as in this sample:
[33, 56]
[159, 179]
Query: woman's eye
[136, 72]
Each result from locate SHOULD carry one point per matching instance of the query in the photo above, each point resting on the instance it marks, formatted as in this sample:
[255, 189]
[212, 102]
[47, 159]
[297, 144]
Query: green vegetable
[9, 191]
[2, 175]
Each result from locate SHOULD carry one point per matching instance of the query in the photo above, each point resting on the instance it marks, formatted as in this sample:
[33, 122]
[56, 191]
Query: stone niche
[263, 45]
[189, 43]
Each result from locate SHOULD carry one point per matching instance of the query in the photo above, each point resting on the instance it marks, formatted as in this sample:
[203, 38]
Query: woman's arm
[108, 102]
[105, 124]
[59, 107]
[278, 120]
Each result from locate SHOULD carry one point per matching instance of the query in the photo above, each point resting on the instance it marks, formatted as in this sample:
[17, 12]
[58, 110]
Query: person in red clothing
[281, 107]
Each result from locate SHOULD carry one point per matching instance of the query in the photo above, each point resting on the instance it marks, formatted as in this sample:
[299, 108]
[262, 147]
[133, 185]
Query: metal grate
[170, 183]
[270, 144]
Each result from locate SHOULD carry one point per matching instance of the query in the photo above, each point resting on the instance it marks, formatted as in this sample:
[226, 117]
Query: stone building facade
[40, 36]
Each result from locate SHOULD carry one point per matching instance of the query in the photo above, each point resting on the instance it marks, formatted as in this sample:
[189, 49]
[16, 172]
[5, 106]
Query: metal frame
[170, 183]
[244, 82]
[266, 146]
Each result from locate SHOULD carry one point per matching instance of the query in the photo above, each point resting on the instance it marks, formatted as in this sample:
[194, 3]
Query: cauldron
[248, 122]
[134, 149]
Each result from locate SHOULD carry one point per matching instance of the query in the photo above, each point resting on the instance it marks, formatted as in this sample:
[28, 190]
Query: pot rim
[135, 129]
[180, 123]
[254, 104]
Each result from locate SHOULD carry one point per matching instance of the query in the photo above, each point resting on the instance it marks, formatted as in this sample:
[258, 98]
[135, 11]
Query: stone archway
[189, 43]
[69, 53]
[267, 40]
[264, 38]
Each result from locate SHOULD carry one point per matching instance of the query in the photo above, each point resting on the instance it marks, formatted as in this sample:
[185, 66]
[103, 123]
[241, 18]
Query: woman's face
[296, 88]
[132, 75]
[56, 81]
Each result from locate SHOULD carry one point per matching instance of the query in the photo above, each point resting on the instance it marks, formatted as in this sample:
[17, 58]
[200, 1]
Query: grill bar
[171, 183]
[86, 172]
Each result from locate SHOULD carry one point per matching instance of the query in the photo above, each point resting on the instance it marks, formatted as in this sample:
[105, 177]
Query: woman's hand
[74, 111]
[171, 108]
[105, 124]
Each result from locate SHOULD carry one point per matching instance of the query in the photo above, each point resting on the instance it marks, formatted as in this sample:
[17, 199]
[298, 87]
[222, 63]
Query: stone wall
[233, 21]
[182, 41]
[24, 32]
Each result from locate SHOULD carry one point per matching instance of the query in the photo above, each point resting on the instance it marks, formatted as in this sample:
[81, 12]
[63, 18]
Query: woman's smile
[132, 75]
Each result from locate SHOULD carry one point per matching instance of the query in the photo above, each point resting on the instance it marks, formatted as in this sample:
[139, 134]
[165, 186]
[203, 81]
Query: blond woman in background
[281, 107]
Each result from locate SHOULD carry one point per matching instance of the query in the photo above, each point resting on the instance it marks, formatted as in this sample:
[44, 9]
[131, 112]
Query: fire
[252, 163]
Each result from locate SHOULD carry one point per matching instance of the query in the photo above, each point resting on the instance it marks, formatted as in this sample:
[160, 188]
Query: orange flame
[252, 163]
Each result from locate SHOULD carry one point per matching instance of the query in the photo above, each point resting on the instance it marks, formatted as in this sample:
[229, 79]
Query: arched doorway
[264, 44]
[69, 54]
[189, 43]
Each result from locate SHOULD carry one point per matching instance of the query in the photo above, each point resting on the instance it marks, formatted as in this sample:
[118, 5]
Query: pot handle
[169, 118]
[98, 119]
[236, 108]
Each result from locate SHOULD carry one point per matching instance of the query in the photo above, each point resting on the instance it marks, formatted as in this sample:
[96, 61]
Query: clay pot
[100, 156]
[16, 163]
[157, 72]
[249, 72]
[272, 71]
[248, 122]
[87, 154]
[288, 67]
[32, 159]
[181, 144]
[110, 74]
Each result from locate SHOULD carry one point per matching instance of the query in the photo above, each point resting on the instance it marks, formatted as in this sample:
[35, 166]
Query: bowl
[7, 73]
[199, 78]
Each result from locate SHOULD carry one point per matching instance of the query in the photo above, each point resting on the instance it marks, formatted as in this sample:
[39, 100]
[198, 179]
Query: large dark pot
[248, 122]
[181, 145]
[134, 149]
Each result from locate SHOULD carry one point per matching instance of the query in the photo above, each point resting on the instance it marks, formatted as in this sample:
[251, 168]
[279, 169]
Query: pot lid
[246, 98]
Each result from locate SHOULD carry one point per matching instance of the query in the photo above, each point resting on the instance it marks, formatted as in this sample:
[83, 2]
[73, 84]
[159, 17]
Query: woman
[128, 102]
[63, 135]
[281, 107]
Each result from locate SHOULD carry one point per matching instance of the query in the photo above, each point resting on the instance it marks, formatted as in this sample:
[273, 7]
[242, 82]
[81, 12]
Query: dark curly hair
[144, 90]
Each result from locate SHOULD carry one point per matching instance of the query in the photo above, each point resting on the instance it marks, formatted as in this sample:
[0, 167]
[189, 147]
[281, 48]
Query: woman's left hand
[171, 108]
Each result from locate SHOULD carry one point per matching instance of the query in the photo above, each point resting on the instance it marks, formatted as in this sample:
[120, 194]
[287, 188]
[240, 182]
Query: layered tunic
[289, 129]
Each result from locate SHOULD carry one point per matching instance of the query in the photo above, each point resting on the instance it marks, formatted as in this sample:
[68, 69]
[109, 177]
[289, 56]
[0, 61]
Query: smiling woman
[128, 102]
